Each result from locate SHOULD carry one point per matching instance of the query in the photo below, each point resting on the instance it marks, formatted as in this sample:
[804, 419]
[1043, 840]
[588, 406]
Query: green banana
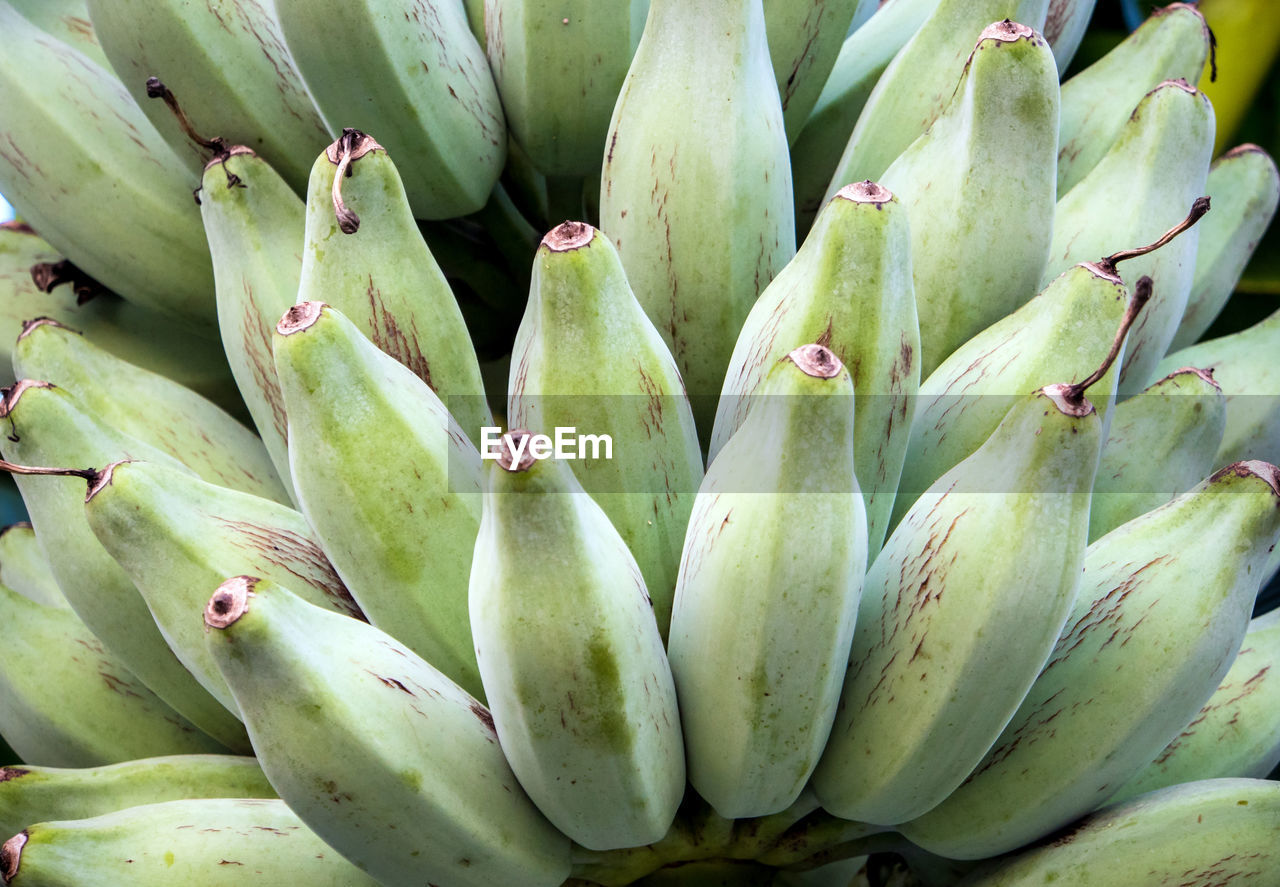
[761, 630]
[587, 357]
[383, 756]
[25, 569]
[849, 287]
[227, 62]
[863, 58]
[66, 702]
[1161, 444]
[202, 842]
[1064, 28]
[411, 71]
[1163, 606]
[1244, 365]
[30, 794]
[972, 268]
[1173, 44]
[1156, 168]
[1236, 733]
[364, 256]
[84, 167]
[176, 536]
[256, 227]
[68, 20]
[380, 467]
[919, 84]
[804, 39]
[1244, 185]
[148, 406]
[1210, 832]
[476, 20]
[48, 426]
[696, 187]
[573, 664]
[558, 67]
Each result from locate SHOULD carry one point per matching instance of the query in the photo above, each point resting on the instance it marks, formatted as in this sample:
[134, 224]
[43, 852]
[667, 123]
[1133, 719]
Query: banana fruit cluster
[605, 442]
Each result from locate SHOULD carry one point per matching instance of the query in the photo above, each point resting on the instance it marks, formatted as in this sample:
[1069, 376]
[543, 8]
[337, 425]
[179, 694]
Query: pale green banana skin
[558, 67]
[385, 280]
[1163, 606]
[150, 407]
[1161, 444]
[383, 756]
[66, 702]
[53, 429]
[131, 332]
[85, 168]
[849, 287]
[177, 536]
[862, 59]
[919, 84]
[761, 629]
[411, 73]
[68, 20]
[256, 227]
[31, 794]
[226, 63]
[200, 842]
[586, 356]
[933, 676]
[972, 268]
[390, 484]
[1144, 185]
[697, 199]
[1064, 28]
[573, 664]
[1244, 186]
[1174, 43]
[1209, 832]
[805, 37]
[476, 20]
[1245, 365]
[1236, 733]
[1063, 333]
[25, 569]
[863, 10]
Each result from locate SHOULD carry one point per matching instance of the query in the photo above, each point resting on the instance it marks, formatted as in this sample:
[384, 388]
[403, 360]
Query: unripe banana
[572, 661]
[68, 20]
[1155, 169]
[1064, 28]
[696, 186]
[149, 407]
[1161, 444]
[587, 357]
[971, 267]
[849, 288]
[1173, 44]
[919, 85]
[49, 427]
[25, 569]
[412, 72]
[256, 230]
[1218, 831]
[761, 629]
[87, 170]
[1162, 608]
[388, 481]
[364, 256]
[403, 774]
[30, 794]
[227, 63]
[204, 842]
[805, 37]
[1244, 185]
[66, 702]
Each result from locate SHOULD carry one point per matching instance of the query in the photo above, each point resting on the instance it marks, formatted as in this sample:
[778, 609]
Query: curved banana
[68, 20]
[1064, 27]
[403, 773]
[25, 569]
[761, 629]
[804, 39]
[412, 72]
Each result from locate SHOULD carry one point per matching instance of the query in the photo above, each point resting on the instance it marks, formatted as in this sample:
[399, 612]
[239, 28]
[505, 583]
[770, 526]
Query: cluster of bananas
[932, 543]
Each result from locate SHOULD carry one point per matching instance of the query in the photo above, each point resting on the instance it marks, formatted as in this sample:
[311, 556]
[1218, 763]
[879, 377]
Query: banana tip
[817, 361]
[14, 392]
[515, 453]
[1264, 471]
[229, 602]
[1006, 32]
[11, 856]
[300, 317]
[865, 192]
[1069, 399]
[568, 236]
[103, 479]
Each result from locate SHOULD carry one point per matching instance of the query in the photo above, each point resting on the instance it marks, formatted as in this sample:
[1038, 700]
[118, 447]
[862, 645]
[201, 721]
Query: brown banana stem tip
[568, 236]
[47, 275]
[157, 90]
[301, 316]
[350, 147]
[30, 326]
[1074, 394]
[230, 601]
[817, 361]
[89, 475]
[1198, 209]
[511, 442]
[11, 856]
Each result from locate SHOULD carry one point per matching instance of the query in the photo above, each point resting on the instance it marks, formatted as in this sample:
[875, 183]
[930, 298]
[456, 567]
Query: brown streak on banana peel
[350, 147]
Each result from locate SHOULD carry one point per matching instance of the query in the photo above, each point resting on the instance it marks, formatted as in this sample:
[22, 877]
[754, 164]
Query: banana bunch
[578, 444]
